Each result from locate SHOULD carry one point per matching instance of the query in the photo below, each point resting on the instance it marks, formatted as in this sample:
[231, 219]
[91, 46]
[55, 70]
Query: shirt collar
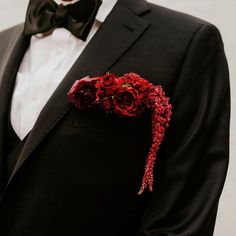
[103, 11]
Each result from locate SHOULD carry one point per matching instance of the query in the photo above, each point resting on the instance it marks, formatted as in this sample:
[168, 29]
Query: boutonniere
[128, 96]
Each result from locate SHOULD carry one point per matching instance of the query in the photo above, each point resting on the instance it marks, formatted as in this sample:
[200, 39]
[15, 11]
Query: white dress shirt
[43, 67]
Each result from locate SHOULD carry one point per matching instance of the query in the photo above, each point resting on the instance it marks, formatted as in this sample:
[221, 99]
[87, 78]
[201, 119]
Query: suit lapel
[8, 69]
[123, 27]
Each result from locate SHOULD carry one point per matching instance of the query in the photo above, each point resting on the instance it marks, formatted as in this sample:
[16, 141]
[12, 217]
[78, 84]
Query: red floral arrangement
[128, 96]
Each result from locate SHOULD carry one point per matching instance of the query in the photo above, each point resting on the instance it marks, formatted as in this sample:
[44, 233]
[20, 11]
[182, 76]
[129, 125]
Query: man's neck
[65, 2]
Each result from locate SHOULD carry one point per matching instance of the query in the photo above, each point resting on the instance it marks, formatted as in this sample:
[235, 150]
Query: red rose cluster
[128, 96]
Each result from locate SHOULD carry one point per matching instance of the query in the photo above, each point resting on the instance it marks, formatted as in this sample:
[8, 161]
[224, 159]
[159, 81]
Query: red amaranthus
[129, 95]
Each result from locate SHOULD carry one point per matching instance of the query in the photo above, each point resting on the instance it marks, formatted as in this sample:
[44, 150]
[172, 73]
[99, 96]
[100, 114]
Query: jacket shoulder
[176, 21]
[6, 36]
[9, 32]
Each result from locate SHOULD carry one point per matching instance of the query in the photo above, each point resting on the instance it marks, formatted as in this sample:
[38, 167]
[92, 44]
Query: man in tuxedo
[65, 172]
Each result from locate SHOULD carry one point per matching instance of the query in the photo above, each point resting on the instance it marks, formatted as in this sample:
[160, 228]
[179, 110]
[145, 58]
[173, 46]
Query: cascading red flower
[129, 95]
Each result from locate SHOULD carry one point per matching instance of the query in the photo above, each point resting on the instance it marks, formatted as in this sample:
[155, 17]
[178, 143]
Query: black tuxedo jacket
[79, 173]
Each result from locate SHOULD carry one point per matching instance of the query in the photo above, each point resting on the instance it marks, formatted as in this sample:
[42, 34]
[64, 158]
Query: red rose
[109, 84]
[83, 93]
[100, 95]
[126, 102]
[107, 104]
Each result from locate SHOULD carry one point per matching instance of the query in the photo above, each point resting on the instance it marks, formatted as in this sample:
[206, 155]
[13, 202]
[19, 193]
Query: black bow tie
[78, 18]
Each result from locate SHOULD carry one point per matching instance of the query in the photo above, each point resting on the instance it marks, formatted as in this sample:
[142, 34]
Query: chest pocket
[101, 122]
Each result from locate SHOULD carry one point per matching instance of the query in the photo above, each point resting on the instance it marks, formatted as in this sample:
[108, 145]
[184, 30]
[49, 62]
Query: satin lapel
[9, 64]
[99, 55]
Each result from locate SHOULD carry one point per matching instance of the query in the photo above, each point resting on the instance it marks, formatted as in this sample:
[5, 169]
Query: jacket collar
[9, 64]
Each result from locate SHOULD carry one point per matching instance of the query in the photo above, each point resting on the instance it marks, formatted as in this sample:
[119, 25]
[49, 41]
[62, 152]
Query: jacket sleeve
[193, 158]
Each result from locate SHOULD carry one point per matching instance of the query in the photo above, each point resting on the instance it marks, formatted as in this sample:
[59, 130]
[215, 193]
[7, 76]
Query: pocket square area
[121, 102]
